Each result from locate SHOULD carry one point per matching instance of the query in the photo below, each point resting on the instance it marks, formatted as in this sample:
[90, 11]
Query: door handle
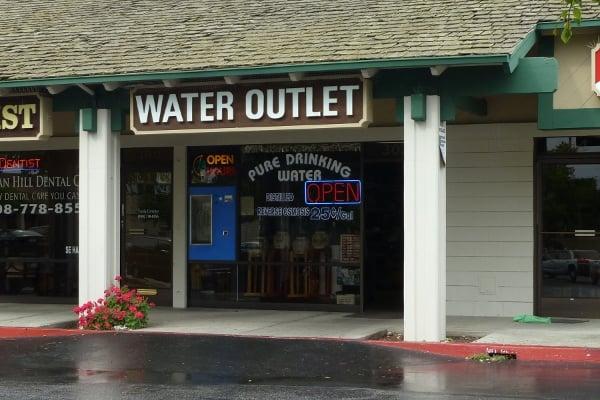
[225, 232]
[585, 232]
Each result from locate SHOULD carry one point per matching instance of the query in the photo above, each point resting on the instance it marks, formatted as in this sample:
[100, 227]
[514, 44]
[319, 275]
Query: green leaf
[566, 33]
[577, 14]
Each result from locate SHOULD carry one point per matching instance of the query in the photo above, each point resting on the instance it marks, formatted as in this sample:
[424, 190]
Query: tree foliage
[571, 15]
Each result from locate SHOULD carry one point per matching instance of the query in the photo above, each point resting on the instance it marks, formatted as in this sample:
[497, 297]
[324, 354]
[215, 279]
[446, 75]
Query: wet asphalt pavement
[160, 366]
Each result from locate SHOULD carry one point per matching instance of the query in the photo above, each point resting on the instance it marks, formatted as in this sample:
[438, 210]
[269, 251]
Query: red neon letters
[19, 163]
[332, 192]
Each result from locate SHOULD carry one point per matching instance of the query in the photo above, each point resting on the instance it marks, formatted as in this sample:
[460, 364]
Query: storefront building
[460, 178]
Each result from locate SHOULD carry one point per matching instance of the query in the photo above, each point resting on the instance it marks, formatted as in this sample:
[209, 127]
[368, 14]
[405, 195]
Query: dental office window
[39, 207]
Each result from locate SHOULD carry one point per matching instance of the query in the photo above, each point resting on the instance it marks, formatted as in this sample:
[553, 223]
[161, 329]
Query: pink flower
[118, 278]
[139, 315]
[132, 308]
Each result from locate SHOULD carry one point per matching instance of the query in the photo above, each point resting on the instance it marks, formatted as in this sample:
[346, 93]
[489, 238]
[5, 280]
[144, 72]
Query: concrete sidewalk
[584, 334]
[271, 323]
[361, 326]
[36, 315]
[315, 324]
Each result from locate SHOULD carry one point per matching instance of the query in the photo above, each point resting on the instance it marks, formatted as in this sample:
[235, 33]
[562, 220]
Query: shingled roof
[43, 39]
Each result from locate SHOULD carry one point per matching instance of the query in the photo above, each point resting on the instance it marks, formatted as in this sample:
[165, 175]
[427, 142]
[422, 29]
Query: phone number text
[39, 209]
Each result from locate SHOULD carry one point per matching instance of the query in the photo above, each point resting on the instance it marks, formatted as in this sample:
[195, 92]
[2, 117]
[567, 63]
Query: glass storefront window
[570, 248]
[39, 207]
[213, 282]
[570, 144]
[298, 218]
[301, 241]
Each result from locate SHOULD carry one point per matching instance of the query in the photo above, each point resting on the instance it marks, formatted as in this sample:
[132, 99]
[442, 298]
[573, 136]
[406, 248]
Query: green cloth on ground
[531, 319]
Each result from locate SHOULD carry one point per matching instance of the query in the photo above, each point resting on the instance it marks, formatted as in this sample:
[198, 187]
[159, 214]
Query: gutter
[468, 60]
[589, 23]
[521, 50]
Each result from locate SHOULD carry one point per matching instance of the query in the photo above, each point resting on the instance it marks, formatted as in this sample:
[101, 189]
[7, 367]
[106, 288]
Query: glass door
[147, 222]
[569, 237]
[384, 250]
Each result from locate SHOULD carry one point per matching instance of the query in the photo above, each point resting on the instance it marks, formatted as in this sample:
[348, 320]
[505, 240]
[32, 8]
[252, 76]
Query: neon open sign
[332, 192]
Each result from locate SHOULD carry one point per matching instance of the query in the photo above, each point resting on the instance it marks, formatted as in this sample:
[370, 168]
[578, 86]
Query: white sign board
[596, 69]
[443, 141]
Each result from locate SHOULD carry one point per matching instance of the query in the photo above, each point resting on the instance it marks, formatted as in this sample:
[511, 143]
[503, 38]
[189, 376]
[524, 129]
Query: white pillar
[424, 226]
[99, 203]
[179, 227]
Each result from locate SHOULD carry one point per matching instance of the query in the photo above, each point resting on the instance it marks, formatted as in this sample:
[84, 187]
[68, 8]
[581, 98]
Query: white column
[179, 227]
[424, 227]
[99, 203]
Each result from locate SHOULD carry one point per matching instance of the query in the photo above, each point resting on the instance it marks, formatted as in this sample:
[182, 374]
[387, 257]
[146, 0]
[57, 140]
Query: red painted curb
[522, 352]
[14, 333]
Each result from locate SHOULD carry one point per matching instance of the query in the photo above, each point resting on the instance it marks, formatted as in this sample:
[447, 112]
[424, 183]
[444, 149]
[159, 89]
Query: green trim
[116, 119]
[448, 108]
[74, 99]
[460, 88]
[583, 118]
[88, 119]
[270, 70]
[534, 75]
[521, 50]
[549, 26]
[391, 84]
[545, 111]
[418, 107]
[550, 118]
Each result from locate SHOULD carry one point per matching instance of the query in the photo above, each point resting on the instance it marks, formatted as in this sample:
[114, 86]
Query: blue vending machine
[212, 223]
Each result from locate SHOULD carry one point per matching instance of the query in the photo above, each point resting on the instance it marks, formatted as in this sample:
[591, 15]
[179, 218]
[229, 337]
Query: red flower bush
[120, 306]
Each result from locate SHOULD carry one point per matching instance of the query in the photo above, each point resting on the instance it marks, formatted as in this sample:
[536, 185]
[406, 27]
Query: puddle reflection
[115, 361]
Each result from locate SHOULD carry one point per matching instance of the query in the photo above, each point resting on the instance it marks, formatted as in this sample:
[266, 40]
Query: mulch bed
[398, 337]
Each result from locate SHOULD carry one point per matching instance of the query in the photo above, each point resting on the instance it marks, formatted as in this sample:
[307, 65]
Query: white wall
[490, 219]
